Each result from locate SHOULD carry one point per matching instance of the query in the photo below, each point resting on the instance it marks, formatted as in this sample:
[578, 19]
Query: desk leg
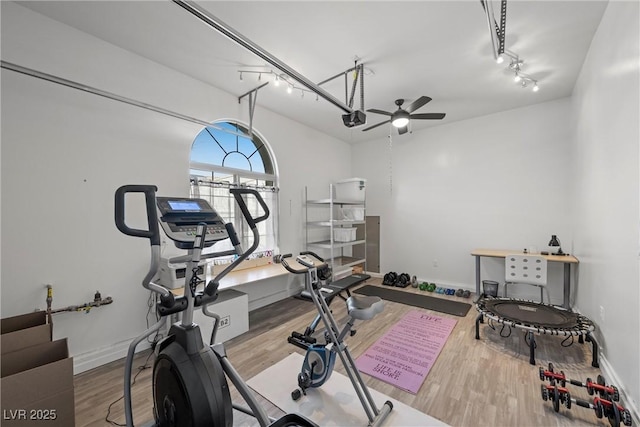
[477, 277]
[566, 300]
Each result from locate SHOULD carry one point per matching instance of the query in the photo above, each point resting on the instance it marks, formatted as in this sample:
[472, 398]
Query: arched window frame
[211, 182]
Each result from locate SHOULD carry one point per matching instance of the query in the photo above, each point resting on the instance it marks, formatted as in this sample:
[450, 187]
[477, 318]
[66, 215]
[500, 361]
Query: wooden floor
[486, 382]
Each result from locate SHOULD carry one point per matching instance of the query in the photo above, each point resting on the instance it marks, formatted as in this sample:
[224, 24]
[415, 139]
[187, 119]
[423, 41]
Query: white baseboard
[93, 359]
[612, 378]
[96, 358]
[271, 298]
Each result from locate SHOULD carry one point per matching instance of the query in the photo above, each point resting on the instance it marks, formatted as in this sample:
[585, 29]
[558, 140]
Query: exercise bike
[320, 359]
[190, 387]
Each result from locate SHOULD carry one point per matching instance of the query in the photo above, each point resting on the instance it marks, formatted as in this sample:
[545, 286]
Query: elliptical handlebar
[237, 193]
[152, 232]
[285, 264]
[212, 286]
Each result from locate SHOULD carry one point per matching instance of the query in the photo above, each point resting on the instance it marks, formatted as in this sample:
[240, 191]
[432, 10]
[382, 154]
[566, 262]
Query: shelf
[346, 261]
[334, 223]
[335, 202]
[345, 203]
[326, 244]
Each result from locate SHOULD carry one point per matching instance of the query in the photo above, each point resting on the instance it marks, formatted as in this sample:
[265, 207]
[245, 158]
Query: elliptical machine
[320, 358]
[190, 386]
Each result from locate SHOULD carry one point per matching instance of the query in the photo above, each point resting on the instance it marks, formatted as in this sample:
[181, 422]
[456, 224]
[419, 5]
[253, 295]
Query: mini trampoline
[534, 317]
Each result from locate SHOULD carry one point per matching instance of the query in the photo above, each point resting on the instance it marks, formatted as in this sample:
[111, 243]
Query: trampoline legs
[532, 348]
[594, 350]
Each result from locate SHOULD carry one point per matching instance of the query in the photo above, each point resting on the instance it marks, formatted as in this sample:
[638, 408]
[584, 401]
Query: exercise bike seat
[364, 307]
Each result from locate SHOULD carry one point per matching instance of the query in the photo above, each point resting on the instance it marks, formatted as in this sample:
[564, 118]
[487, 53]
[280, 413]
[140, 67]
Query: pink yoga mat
[404, 355]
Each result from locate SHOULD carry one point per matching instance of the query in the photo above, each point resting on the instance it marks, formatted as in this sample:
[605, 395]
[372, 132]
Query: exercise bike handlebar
[285, 264]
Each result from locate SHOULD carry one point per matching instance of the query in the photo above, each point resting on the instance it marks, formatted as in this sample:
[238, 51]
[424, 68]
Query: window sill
[249, 275]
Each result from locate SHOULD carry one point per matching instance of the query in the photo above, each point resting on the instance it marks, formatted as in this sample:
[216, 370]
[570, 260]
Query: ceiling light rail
[356, 118]
[238, 38]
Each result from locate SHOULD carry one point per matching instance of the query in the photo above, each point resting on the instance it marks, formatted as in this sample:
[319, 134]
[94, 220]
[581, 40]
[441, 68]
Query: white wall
[606, 192]
[509, 180]
[498, 181]
[65, 152]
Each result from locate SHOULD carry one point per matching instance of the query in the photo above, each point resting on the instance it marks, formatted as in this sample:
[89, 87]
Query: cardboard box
[37, 386]
[14, 341]
[23, 331]
[16, 323]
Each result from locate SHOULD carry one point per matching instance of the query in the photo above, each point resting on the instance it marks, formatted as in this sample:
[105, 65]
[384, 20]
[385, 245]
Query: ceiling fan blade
[428, 116]
[417, 104]
[373, 110]
[402, 130]
[376, 125]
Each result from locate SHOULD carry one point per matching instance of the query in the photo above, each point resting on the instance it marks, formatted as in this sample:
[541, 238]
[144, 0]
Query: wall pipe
[75, 85]
[238, 38]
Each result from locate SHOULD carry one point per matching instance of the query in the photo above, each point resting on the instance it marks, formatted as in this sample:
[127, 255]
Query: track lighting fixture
[278, 79]
[516, 65]
[498, 37]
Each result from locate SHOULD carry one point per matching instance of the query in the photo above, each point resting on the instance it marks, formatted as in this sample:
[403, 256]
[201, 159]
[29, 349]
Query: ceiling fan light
[500, 59]
[400, 122]
[517, 78]
[400, 118]
[535, 87]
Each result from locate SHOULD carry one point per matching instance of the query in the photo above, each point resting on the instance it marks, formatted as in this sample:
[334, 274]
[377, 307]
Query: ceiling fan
[401, 117]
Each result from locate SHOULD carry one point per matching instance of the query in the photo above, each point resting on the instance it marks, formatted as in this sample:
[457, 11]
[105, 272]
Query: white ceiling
[436, 48]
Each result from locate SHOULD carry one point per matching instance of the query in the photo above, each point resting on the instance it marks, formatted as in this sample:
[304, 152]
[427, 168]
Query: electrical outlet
[602, 313]
[435, 263]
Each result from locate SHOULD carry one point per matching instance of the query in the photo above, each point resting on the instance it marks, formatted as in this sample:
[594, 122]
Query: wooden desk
[248, 275]
[567, 260]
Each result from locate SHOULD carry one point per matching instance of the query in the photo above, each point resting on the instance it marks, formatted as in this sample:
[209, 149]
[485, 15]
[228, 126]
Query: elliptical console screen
[184, 205]
[179, 218]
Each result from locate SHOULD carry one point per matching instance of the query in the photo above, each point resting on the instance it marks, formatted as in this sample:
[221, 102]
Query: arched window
[223, 156]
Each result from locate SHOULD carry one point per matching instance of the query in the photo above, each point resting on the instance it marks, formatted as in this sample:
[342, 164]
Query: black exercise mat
[423, 301]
